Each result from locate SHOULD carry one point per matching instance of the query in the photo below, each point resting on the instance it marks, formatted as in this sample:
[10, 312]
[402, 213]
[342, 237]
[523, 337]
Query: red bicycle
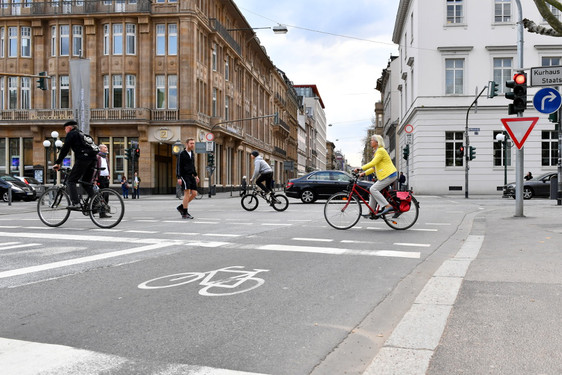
[343, 210]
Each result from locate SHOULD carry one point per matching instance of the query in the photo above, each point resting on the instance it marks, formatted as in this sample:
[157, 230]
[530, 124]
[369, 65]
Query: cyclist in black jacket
[187, 177]
[84, 162]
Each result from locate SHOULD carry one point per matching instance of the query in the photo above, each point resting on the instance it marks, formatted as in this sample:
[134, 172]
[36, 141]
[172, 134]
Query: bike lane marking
[32, 358]
[334, 251]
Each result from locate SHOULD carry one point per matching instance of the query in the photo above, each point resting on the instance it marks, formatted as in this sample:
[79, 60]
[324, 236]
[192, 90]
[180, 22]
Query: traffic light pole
[520, 155]
[467, 143]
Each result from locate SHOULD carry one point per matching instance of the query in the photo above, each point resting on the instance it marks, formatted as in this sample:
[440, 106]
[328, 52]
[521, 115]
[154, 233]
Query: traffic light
[210, 159]
[460, 152]
[406, 152]
[492, 89]
[518, 94]
[472, 153]
[129, 153]
[137, 152]
[42, 81]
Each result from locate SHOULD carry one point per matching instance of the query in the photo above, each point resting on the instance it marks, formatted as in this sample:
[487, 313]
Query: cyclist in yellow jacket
[385, 171]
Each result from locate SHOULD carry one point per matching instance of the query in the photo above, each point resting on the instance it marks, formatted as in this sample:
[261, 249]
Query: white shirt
[103, 165]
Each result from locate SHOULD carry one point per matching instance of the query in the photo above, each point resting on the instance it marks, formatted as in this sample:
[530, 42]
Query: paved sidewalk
[494, 308]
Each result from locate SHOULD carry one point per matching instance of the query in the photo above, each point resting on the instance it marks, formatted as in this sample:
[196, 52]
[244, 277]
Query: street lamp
[279, 29]
[47, 144]
[501, 138]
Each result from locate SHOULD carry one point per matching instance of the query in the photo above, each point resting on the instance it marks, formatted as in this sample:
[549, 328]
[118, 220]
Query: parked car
[20, 190]
[34, 183]
[320, 185]
[535, 187]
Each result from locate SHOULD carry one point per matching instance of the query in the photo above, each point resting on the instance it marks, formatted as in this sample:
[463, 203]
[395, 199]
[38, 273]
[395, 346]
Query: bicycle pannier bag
[405, 199]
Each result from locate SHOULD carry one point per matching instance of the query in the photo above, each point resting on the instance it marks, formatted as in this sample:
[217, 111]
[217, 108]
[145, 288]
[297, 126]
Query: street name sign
[546, 76]
[519, 128]
[547, 100]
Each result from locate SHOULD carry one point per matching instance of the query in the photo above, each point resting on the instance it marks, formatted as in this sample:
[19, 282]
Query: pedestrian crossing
[18, 357]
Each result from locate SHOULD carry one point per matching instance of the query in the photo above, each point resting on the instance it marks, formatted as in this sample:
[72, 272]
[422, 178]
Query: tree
[546, 13]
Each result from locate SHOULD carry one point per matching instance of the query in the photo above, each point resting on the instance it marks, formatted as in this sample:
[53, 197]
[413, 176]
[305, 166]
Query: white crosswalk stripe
[31, 358]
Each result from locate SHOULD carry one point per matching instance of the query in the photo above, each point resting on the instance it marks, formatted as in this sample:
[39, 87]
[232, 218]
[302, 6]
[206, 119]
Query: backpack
[88, 142]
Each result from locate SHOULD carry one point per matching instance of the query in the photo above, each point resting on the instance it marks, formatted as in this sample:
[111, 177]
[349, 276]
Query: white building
[314, 108]
[449, 50]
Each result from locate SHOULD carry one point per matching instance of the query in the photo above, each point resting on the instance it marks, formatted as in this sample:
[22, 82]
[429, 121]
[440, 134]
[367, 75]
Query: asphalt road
[319, 300]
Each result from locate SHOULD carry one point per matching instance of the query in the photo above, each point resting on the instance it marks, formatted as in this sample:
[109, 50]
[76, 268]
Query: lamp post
[278, 29]
[57, 145]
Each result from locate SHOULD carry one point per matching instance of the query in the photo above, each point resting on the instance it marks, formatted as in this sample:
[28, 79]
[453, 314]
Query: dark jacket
[73, 141]
[186, 164]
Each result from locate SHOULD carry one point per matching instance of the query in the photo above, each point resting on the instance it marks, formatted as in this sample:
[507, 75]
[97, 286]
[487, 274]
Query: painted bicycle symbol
[228, 281]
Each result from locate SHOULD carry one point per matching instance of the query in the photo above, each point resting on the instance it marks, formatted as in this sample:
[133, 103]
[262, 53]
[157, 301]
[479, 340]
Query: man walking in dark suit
[187, 177]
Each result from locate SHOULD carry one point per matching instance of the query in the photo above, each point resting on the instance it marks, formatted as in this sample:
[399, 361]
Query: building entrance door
[165, 170]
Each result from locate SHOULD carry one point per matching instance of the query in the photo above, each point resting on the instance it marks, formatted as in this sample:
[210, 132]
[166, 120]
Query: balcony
[279, 151]
[281, 125]
[76, 7]
[222, 31]
[96, 115]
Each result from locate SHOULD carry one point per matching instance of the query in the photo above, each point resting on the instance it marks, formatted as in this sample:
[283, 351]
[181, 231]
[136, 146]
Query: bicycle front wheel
[403, 220]
[170, 281]
[52, 207]
[106, 208]
[249, 202]
[342, 211]
[280, 202]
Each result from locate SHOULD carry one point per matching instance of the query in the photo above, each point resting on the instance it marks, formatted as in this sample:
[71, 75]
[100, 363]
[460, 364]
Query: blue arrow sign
[547, 100]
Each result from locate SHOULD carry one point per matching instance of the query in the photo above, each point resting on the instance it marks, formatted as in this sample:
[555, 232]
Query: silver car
[34, 183]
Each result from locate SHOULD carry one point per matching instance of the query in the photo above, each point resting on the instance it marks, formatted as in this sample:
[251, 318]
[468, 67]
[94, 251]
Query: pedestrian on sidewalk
[125, 187]
[136, 185]
[187, 177]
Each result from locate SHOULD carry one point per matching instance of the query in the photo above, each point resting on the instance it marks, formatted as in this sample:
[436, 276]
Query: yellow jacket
[381, 165]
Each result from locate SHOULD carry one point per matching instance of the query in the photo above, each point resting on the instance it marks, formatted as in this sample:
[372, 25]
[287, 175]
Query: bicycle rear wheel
[52, 207]
[403, 220]
[280, 202]
[342, 211]
[169, 281]
[249, 202]
[106, 208]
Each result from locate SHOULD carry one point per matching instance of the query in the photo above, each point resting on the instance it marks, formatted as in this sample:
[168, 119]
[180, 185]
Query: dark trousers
[267, 178]
[83, 170]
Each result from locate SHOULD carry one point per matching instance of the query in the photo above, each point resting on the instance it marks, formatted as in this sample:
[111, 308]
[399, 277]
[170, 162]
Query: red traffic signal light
[520, 78]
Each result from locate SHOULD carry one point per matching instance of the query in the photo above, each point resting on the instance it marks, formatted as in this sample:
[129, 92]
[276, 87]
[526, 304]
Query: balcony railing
[99, 114]
[75, 7]
[219, 28]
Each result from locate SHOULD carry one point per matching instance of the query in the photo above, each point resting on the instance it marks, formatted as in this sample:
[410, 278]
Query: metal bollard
[10, 195]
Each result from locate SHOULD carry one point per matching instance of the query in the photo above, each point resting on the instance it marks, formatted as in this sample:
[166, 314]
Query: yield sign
[519, 128]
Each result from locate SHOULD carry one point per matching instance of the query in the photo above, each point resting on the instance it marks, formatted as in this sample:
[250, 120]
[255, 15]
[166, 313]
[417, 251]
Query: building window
[64, 92]
[455, 11]
[555, 12]
[454, 76]
[214, 103]
[25, 93]
[172, 91]
[227, 108]
[106, 91]
[172, 39]
[117, 39]
[502, 72]
[106, 39]
[550, 61]
[130, 86]
[453, 146]
[160, 40]
[502, 159]
[64, 40]
[549, 148]
[214, 57]
[26, 41]
[12, 42]
[53, 92]
[227, 69]
[160, 92]
[131, 30]
[77, 35]
[2, 40]
[117, 87]
[502, 11]
[53, 40]
[2, 93]
[12, 92]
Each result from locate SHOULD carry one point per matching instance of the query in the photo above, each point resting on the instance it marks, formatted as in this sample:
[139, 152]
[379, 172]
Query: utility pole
[520, 154]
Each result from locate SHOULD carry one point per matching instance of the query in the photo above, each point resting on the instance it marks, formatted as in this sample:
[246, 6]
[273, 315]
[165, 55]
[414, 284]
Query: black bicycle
[106, 208]
[250, 200]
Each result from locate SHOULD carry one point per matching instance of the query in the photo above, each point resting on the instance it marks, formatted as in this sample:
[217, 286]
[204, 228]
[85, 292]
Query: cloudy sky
[341, 46]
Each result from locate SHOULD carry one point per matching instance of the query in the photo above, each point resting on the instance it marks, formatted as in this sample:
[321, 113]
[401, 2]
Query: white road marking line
[9, 243]
[78, 237]
[208, 244]
[147, 221]
[142, 231]
[19, 246]
[71, 262]
[304, 220]
[271, 224]
[423, 229]
[10, 226]
[334, 251]
[412, 244]
[221, 235]
[312, 239]
[437, 223]
[25, 357]
[183, 233]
